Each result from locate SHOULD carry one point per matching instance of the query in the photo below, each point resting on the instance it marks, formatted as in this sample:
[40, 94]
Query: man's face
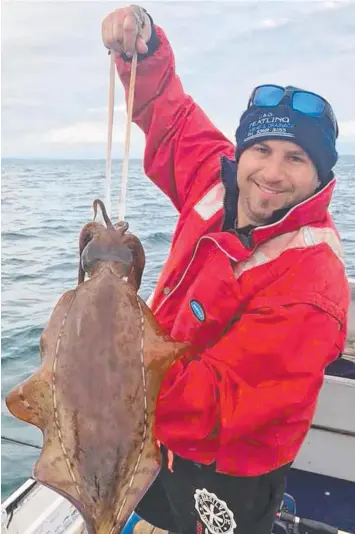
[272, 175]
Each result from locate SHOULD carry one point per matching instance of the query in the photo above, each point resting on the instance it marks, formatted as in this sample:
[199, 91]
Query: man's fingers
[116, 34]
[120, 31]
[105, 34]
[141, 46]
[111, 32]
[130, 32]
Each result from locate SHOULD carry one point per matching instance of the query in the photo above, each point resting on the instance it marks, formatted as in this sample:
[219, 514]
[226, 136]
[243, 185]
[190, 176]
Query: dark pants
[195, 499]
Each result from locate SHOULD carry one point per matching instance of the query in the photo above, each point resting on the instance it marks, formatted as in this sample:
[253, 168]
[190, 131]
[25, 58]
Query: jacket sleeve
[269, 366]
[182, 144]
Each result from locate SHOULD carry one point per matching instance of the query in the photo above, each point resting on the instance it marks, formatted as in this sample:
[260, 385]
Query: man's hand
[127, 29]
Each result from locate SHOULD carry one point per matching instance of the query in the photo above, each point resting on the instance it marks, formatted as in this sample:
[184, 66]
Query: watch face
[214, 513]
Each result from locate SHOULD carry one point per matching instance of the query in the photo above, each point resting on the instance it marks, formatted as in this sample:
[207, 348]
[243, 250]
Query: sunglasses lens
[268, 95]
[308, 104]
[302, 101]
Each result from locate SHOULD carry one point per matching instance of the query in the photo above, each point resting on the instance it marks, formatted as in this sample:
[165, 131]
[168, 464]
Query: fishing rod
[18, 442]
[303, 526]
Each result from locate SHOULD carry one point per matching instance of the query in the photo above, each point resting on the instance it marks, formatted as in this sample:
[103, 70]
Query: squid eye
[87, 238]
[86, 262]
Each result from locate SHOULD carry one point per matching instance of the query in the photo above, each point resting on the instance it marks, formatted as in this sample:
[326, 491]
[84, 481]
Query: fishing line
[18, 442]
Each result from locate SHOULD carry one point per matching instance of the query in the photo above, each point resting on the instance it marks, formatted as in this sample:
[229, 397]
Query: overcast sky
[55, 68]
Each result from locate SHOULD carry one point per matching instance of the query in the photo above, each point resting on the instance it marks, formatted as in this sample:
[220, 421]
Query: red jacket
[267, 312]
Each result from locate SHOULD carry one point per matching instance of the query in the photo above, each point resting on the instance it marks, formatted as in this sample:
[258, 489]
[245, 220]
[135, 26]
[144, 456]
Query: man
[254, 280]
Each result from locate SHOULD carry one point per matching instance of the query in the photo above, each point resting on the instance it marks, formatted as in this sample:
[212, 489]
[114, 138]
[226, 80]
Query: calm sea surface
[44, 206]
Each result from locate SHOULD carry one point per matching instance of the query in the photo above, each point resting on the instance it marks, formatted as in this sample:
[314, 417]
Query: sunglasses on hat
[304, 102]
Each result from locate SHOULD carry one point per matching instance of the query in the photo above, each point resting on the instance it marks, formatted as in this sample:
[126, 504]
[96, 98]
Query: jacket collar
[312, 210]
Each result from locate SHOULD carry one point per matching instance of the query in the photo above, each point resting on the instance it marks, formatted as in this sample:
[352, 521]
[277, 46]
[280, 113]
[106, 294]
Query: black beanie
[314, 134]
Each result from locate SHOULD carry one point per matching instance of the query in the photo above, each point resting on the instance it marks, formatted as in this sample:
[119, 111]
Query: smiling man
[273, 175]
[254, 281]
[286, 150]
